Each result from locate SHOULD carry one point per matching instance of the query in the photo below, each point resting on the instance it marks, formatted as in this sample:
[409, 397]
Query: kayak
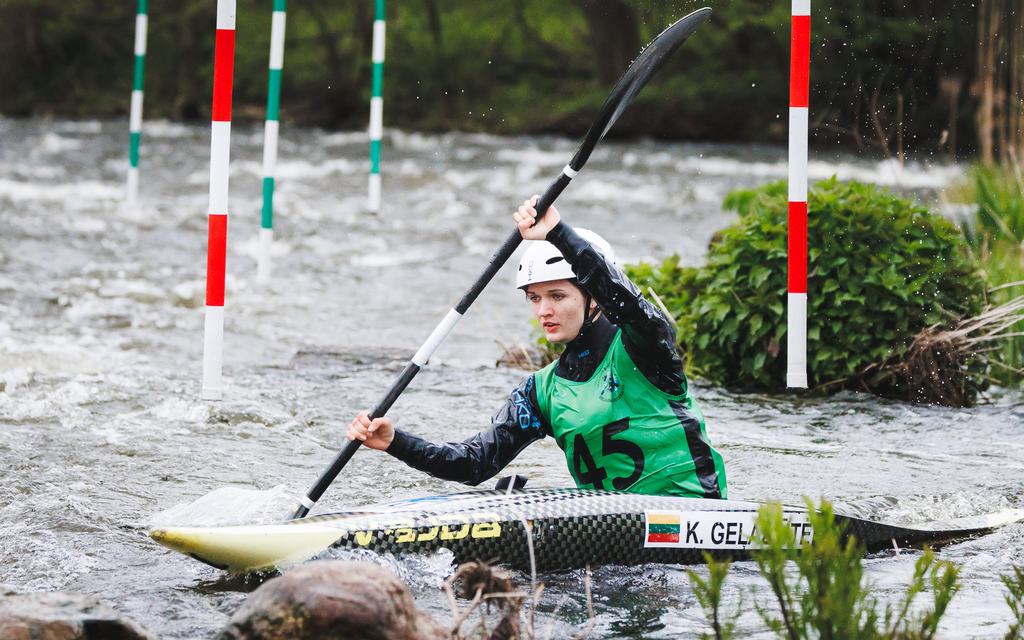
[566, 529]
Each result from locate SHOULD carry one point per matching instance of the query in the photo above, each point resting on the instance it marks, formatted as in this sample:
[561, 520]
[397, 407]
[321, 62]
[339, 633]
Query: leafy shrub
[673, 283]
[880, 269]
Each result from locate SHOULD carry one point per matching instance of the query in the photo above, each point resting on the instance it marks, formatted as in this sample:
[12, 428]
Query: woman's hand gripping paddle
[635, 77]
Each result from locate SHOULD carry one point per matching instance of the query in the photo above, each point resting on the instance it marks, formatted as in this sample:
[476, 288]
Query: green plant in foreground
[1015, 598]
[941, 577]
[827, 596]
[709, 596]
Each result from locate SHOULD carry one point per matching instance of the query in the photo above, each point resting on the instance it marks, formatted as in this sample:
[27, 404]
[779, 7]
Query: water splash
[231, 506]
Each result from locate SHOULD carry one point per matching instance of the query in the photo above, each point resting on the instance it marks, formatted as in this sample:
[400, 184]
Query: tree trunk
[986, 80]
[440, 72]
[336, 102]
[188, 22]
[614, 38]
[951, 87]
[1014, 110]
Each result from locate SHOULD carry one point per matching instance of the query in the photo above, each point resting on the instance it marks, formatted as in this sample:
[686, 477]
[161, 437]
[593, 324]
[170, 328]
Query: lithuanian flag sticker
[662, 528]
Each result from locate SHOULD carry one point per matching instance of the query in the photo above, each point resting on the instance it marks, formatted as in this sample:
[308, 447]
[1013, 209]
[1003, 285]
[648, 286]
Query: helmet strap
[589, 315]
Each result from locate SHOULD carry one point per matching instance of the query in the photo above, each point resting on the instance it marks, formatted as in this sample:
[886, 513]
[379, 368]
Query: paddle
[635, 77]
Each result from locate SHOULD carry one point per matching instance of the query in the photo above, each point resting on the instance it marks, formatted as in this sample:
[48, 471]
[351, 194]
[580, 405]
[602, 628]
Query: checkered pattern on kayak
[570, 528]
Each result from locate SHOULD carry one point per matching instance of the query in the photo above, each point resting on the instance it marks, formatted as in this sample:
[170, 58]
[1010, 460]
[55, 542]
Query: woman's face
[558, 306]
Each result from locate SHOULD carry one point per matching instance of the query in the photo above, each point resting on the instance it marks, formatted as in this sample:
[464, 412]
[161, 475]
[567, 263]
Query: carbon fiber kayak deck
[568, 528]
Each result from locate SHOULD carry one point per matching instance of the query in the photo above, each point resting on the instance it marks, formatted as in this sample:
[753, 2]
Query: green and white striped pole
[270, 132]
[376, 107]
[135, 117]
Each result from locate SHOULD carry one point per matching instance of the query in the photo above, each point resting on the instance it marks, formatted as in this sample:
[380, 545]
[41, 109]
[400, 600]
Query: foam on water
[342, 138]
[411, 140]
[300, 169]
[251, 247]
[60, 354]
[604, 192]
[167, 129]
[67, 193]
[420, 572]
[180, 409]
[391, 259]
[912, 175]
[918, 509]
[79, 126]
[53, 143]
[532, 156]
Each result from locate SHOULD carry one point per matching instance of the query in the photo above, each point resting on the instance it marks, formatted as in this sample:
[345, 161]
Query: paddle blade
[636, 76]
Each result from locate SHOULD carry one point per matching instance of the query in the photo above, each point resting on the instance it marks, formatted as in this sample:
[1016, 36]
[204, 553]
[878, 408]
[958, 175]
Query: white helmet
[542, 262]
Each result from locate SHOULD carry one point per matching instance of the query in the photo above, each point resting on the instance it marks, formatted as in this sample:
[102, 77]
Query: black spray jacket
[649, 339]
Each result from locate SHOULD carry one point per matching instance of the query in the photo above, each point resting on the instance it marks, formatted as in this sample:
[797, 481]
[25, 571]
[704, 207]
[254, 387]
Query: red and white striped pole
[799, 87]
[220, 156]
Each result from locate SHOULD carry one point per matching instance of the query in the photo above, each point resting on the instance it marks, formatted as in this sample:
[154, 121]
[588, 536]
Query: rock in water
[63, 616]
[333, 600]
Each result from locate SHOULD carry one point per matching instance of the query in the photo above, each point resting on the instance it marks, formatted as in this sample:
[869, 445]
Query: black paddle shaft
[635, 77]
[499, 258]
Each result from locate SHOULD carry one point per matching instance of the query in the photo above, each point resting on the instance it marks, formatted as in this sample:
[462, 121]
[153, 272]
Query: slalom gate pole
[376, 108]
[799, 88]
[135, 117]
[270, 132]
[220, 157]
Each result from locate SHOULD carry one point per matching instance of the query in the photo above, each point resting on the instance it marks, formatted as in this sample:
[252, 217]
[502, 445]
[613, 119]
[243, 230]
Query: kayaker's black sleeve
[649, 337]
[516, 424]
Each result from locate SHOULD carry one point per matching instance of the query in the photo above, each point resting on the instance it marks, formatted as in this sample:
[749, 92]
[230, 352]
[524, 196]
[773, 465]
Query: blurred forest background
[919, 76]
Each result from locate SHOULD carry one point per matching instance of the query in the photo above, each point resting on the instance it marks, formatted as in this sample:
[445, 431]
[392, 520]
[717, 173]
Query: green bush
[672, 285]
[880, 269]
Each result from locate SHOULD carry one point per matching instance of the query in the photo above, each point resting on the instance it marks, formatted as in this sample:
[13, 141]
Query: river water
[102, 430]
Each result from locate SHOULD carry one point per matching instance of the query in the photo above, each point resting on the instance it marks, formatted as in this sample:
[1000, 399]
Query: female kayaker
[616, 401]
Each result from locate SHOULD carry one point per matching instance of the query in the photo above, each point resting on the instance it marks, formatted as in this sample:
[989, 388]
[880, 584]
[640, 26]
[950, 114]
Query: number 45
[586, 469]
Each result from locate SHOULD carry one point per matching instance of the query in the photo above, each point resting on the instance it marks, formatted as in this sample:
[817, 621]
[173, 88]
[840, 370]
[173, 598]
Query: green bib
[620, 432]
